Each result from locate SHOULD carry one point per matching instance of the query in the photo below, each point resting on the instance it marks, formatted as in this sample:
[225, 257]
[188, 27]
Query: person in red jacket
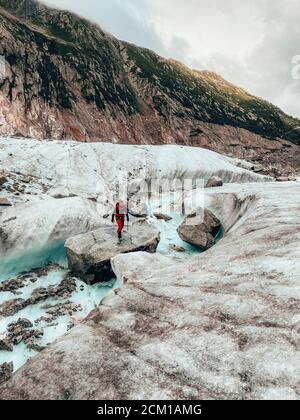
[120, 213]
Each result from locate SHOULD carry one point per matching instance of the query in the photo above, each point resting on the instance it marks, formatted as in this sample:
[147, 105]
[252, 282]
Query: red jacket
[120, 212]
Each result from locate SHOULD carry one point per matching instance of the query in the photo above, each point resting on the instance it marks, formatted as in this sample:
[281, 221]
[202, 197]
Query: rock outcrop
[90, 254]
[222, 325]
[200, 229]
[75, 81]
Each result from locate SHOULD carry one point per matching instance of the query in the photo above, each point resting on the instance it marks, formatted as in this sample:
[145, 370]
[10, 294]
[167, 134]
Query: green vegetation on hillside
[207, 97]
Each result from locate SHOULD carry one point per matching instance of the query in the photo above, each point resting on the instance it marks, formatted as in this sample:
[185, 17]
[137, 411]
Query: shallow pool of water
[87, 296]
[169, 237]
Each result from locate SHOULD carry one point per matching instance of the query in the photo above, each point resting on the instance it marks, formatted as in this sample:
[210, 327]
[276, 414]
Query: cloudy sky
[250, 43]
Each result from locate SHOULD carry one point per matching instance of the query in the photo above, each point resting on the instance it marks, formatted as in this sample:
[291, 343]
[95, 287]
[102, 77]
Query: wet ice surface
[87, 296]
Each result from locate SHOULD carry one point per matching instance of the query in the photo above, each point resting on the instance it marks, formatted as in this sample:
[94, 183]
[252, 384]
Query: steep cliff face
[68, 79]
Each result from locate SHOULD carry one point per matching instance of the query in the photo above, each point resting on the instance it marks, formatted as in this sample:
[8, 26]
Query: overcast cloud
[250, 43]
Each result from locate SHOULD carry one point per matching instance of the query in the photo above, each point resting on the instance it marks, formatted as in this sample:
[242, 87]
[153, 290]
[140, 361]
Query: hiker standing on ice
[119, 214]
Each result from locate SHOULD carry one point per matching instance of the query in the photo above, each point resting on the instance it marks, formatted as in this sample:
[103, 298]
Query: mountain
[66, 78]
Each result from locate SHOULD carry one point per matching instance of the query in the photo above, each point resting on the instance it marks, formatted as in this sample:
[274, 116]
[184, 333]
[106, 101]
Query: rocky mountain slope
[68, 79]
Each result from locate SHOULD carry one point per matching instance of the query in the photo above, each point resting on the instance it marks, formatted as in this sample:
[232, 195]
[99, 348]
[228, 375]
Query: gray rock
[161, 216]
[3, 178]
[4, 202]
[139, 210]
[63, 289]
[286, 179]
[177, 248]
[214, 182]
[258, 168]
[6, 371]
[5, 345]
[22, 322]
[200, 230]
[35, 346]
[10, 307]
[89, 254]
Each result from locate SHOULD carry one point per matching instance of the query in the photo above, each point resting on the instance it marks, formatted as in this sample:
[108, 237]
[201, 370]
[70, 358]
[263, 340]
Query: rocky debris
[60, 193]
[53, 312]
[13, 285]
[89, 255]
[42, 272]
[23, 279]
[3, 178]
[62, 309]
[20, 323]
[20, 331]
[6, 371]
[200, 229]
[286, 179]
[161, 216]
[4, 202]
[63, 290]
[177, 248]
[31, 345]
[214, 182]
[258, 168]
[11, 307]
[25, 336]
[20, 184]
[5, 345]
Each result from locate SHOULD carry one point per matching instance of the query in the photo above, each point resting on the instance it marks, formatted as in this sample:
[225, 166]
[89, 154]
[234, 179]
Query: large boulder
[89, 255]
[200, 229]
